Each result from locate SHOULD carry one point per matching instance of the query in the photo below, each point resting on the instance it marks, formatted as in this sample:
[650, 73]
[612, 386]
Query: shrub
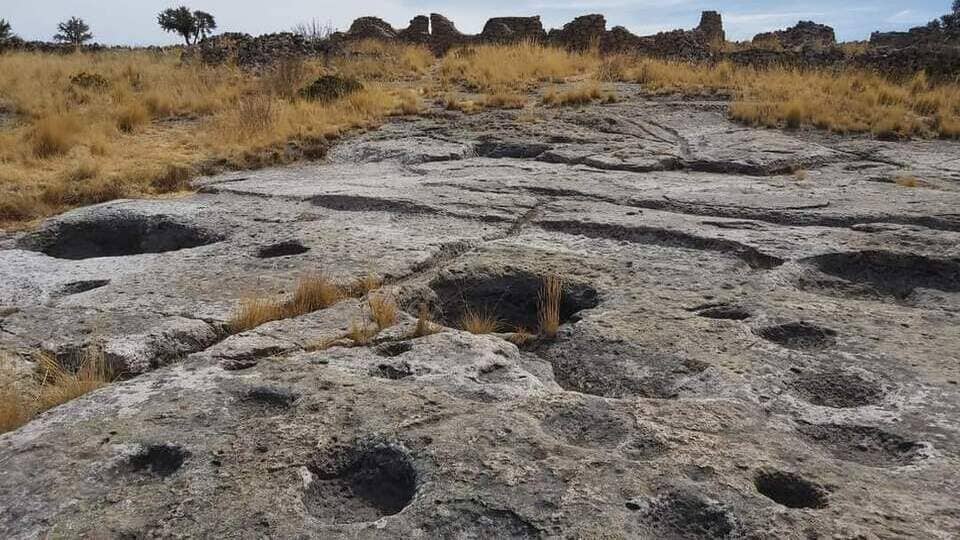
[89, 81]
[53, 136]
[174, 178]
[256, 114]
[132, 117]
[329, 88]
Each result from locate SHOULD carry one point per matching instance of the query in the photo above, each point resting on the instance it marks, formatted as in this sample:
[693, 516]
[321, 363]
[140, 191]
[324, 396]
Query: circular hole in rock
[270, 397]
[687, 515]
[470, 521]
[889, 273]
[619, 370]
[790, 490]
[282, 249]
[511, 297]
[866, 445]
[238, 364]
[159, 459]
[396, 348]
[837, 389]
[77, 287]
[116, 234]
[393, 372]
[799, 336]
[360, 484]
[729, 313]
[590, 425]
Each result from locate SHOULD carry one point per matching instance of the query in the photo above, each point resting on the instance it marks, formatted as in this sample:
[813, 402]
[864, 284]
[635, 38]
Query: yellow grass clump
[383, 310]
[312, 294]
[498, 68]
[548, 306]
[133, 115]
[581, 94]
[23, 396]
[479, 321]
[425, 325]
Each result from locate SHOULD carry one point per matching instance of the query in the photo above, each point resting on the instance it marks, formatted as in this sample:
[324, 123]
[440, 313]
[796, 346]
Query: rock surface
[747, 352]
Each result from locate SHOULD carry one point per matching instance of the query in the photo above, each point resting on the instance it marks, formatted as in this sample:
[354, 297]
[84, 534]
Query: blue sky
[133, 21]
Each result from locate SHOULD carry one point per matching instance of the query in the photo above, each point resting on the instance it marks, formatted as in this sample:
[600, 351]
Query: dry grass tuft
[581, 94]
[909, 181]
[504, 99]
[17, 405]
[361, 332]
[548, 306]
[480, 321]
[521, 337]
[59, 385]
[132, 117]
[365, 284]
[53, 136]
[23, 396]
[383, 310]
[313, 293]
[425, 325]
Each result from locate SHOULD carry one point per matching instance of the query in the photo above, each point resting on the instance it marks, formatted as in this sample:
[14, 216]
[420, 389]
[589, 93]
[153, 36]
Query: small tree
[6, 34]
[73, 31]
[191, 25]
[205, 25]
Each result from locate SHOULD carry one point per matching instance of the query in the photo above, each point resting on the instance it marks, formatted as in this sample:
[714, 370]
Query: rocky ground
[760, 340]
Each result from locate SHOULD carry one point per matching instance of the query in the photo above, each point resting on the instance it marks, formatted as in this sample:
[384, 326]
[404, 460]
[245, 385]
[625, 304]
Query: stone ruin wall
[807, 44]
[583, 33]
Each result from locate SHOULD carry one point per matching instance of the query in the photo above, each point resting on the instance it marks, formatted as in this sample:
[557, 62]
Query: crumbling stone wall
[444, 34]
[254, 52]
[711, 28]
[371, 28]
[417, 32]
[803, 34]
[806, 44]
[512, 30]
[581, 33]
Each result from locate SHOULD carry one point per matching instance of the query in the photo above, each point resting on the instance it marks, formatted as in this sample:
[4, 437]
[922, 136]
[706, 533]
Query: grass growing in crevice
[480, 321]
[23, 396]
[383, 310]
[425, 325]
[313, 293]
[548, 306]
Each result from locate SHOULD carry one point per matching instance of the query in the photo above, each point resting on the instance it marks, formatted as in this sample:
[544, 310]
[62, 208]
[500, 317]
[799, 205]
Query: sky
[133, 22]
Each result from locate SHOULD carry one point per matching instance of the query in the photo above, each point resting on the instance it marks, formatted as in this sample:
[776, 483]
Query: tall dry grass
[123, 119]
[548, 306]
[23, 396]
[313, 293]
[480, 321]
[509, 68]
[849, 101]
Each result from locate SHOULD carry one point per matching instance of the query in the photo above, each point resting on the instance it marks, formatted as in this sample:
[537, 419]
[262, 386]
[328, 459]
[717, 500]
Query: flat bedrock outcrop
[743, 351]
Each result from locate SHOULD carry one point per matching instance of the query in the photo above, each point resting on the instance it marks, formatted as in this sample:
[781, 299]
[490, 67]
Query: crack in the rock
[665, 237]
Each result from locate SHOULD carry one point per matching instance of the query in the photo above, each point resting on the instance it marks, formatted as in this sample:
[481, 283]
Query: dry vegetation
[548, 306]
[91, 127]
[312, 293]
[94, 127]
[479, 321]
[843, 102]
[25, 395]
